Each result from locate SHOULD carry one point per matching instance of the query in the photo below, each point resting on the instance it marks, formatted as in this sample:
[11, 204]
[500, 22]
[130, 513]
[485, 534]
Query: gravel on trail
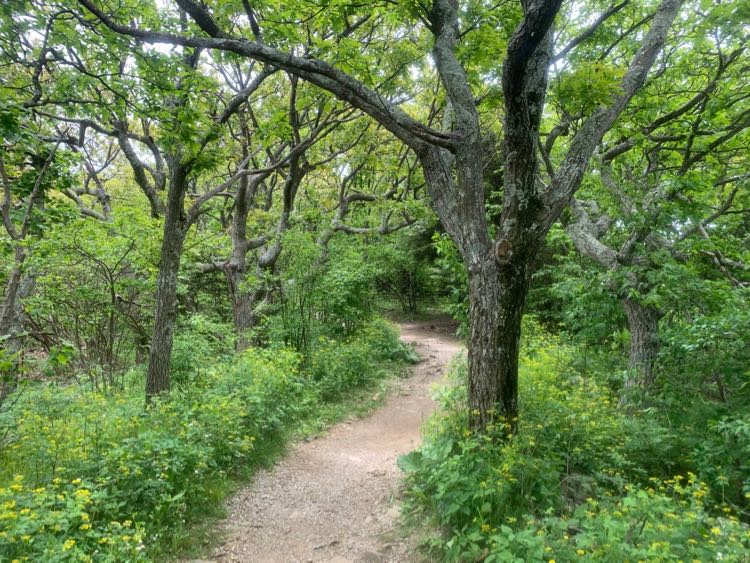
[335, 497]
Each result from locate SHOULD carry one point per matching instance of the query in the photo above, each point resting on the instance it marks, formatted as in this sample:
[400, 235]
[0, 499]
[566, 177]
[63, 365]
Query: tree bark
[643, 323]
[19, 287]
[8, 318]
[243, 303]
[175, 228]
[236, 268]
[244, 300]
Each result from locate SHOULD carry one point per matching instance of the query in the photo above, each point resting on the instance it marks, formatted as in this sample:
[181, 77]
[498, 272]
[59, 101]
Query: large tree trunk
[489, 379]
[497, 296]
[175, 226]
[643, 323]
[498, 284]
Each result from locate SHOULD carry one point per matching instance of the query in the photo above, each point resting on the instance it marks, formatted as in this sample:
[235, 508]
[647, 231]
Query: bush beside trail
[583, 479]
[87, 476]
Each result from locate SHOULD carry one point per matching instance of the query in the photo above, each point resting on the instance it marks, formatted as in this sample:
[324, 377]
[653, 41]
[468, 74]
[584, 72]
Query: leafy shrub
[580, 479]
[404, 267]
[330, 296]
[94, 292]
[61, 522]
[87, 475]
[199, 342]
[703, 394]
[382, 338]
[453, 279]
[666, 522]
[336, 366]
[346, 292]
[153, 468]
[723, 460]
[709, 356]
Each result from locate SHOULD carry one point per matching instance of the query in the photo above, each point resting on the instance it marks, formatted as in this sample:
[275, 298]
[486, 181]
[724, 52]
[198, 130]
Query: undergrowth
[86, 476]
[583, 479]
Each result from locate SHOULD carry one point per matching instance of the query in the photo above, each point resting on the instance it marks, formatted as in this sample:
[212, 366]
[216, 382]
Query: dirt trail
[333, 498]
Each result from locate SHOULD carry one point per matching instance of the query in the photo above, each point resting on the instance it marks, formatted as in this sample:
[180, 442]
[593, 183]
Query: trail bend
[334, 499]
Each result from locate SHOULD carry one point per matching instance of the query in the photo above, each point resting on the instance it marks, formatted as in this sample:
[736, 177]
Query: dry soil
[335, 498]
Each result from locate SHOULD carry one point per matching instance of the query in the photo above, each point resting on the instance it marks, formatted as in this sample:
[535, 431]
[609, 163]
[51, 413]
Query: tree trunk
[175, 226]
[498, 283]
[19, 287]
[643, 323]
[9, 312]
[497, 298]
[243, 302]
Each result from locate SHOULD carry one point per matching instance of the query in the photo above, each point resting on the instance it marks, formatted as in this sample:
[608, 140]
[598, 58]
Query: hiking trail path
[335, 498]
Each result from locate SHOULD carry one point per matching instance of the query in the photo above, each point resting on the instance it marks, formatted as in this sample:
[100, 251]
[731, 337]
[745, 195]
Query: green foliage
[346, 290]
[93, 285]
[318, 297]
[723, 460]
[199, 343]
[454, 280]
[580, 480]
[405, 270]
[337, 366]
[589, 86]
[154, 468]
[666, 522]
[85, 474]
[712, 349]
[62, 522]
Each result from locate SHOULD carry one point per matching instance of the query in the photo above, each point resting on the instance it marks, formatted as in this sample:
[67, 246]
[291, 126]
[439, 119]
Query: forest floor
[335, 498]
